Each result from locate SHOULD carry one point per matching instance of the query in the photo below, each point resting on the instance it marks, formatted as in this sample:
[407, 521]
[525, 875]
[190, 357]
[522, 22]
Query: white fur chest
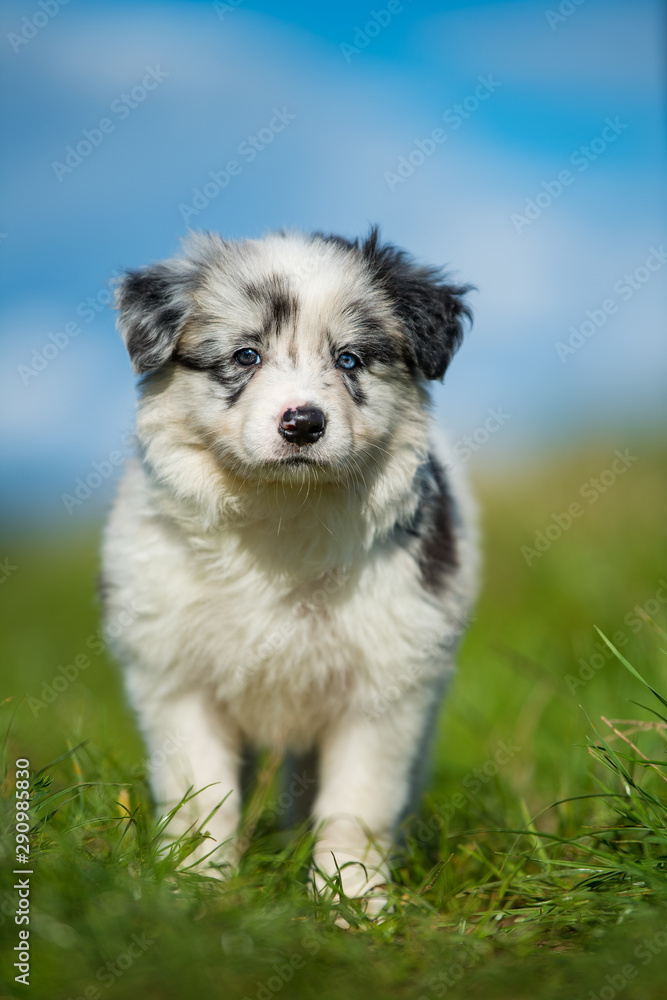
[248, 615]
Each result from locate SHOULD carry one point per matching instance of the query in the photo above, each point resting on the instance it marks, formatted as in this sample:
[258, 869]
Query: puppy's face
[289, 357]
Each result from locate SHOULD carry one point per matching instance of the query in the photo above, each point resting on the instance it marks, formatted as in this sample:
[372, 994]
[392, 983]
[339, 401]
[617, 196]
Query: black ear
[153, 304]
[432, 310]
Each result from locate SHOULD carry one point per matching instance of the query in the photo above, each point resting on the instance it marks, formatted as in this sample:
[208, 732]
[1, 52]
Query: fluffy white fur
[279, 605]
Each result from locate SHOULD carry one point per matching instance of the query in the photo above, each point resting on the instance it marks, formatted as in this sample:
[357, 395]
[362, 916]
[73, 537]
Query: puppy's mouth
[298, 468]
[299, 460]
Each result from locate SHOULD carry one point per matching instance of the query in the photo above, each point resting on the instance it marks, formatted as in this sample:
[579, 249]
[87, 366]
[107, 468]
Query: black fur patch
[202, 357]
[234, 394]
[370, 342]
[378, 349]
[431, 310]
[351, 380]
[432, 526]
[280, 305]
[233, 377]
[153, 304]
[438, 555]
[368, 337]
[350, 377]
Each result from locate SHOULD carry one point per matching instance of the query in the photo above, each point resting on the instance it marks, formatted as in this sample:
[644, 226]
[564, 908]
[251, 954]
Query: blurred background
[522, 146]
[520, 91]
[519, 144]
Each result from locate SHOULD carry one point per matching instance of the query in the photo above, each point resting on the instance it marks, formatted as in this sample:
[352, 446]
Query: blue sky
[538, 92]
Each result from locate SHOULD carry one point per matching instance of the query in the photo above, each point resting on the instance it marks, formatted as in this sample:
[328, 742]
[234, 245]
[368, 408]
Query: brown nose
[304, 425]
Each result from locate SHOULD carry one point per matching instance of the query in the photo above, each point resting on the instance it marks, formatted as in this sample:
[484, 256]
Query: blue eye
[246, 356]
[347, 361]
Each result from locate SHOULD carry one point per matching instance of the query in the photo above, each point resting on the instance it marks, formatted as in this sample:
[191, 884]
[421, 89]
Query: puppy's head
[290, 355]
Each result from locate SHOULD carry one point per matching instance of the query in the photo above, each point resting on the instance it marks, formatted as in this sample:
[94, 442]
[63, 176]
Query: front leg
[191, 745]
[366, 772]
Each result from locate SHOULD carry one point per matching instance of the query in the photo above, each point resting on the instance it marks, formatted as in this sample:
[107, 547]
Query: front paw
[348, 874]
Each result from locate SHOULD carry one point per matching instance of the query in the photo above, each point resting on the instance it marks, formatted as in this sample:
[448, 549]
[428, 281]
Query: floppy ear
[153, 304]
[432, 310]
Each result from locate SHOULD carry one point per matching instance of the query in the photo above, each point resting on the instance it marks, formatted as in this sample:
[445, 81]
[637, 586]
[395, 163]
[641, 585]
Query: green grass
[538, 871]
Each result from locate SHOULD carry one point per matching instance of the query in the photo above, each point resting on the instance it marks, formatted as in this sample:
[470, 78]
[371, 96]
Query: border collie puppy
[293, 540]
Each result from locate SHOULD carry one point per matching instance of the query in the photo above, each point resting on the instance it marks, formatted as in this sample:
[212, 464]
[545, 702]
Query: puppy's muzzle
[303, 425]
